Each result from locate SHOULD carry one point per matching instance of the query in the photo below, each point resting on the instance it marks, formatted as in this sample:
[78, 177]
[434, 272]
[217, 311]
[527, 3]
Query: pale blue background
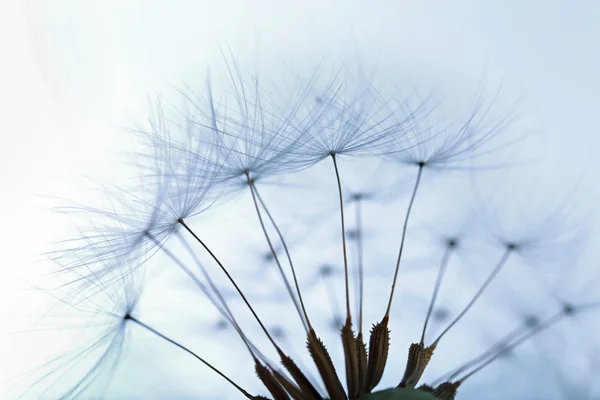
[72, 73]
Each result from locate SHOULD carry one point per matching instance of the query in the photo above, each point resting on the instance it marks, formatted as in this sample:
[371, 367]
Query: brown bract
[379, 344]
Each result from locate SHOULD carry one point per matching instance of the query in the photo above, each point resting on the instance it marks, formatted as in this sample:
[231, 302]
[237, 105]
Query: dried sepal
[301, 380]
[325, 366]
[446, 390]
[426, 388]
[418, 358]
[270, 382]
[379, 344]
[361, 353]
[292, 389]
[427, 354]
[351, 358]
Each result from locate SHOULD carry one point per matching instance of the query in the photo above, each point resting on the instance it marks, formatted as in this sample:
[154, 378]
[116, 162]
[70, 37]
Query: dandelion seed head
[242, 137]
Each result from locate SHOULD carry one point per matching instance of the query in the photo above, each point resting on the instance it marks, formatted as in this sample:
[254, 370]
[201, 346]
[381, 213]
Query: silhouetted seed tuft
[270, 382]
[351, 357]
[301, 380]
[440, 314]
[379, 344]
[568, 309]
[446, 390]
[325, 366]
[326, 270]
[277, 332]
[222, 325]
[352, 234]
[531, 321]
[418, 358]
[268, 257]
[336, 322]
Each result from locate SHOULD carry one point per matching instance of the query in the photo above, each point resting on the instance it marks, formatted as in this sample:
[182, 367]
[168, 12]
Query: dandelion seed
[450, 146]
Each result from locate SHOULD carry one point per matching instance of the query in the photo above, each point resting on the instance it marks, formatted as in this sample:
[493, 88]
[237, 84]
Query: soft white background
[72, 73]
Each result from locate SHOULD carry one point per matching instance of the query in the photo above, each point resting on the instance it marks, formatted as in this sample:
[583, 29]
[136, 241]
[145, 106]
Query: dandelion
[198, 158]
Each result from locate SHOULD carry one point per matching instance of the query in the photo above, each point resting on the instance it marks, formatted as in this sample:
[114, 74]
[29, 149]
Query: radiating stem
[566, 311]
[286, 361]
[339, 184]
[436, 289]
[181, 265]
[538, 329]
[235, 285]
[300, 309]
[182, 347]
[223, 307]
[406, 218]
[489, 280]
[227, 312]
[500, 345]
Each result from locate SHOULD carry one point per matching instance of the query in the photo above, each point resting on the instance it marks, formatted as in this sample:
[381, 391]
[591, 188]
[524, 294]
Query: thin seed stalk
[490, 278]
[287, 252]
[403, 237]
[288, 287]
[438, 283]
[230, 278]
[346, 279]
